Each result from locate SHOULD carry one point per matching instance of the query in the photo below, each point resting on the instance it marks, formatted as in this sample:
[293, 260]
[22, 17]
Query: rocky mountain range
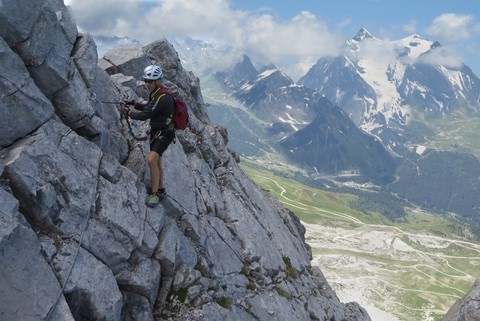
[380, 83]
[304, 126]
[76, 239]
[374, 109]
[332, 143]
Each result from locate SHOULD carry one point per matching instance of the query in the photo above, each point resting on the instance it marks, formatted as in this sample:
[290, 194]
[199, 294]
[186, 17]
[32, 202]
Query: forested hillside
[441, 181]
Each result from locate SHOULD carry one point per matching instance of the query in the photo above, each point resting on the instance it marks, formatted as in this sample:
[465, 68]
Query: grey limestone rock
[22, 104]
[29, 289]
[467, 308]
[77, 241]
[90, 287]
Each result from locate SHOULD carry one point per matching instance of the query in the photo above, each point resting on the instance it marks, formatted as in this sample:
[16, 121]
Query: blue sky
[288, 31]
[377, 15]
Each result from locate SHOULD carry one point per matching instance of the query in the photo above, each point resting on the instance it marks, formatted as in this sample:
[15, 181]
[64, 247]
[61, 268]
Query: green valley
[406, 269]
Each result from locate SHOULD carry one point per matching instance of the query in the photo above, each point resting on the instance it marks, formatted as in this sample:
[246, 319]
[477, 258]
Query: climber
[159, 110]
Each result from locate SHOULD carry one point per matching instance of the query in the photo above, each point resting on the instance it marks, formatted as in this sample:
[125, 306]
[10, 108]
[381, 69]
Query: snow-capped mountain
[205, 57]
[332, 143]
[104, 44]
[379, 82]
[271, 96]
[242, 72]
[305, 127]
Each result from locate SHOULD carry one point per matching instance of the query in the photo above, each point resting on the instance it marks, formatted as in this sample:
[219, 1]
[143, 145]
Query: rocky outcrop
[76, 239]
[468, 308]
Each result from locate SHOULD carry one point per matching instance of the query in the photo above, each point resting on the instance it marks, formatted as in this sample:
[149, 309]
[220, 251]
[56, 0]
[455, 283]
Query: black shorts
[159, 141]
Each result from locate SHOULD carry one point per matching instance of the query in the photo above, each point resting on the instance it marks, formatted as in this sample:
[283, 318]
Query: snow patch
[266, 73]
[420, 149]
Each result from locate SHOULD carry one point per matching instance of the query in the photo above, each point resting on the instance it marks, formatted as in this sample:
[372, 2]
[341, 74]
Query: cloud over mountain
[451, 26]
[292, 40]
[256, 32]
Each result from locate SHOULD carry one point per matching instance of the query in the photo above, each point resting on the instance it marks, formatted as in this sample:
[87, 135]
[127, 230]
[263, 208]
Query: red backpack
[180, 113]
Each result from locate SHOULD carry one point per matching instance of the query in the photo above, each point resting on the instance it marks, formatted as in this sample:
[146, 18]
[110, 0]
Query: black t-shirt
[159, 110]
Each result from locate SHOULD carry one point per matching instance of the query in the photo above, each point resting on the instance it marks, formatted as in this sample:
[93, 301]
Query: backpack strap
[164, 91]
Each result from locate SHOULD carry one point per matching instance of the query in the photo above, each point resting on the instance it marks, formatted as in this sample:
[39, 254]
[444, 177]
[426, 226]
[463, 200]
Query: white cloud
[304, 35]
[383, 51]
[452, 27]
[457, 33]
[105, 17]
[293, 44]
[259, 33]
[444, 56]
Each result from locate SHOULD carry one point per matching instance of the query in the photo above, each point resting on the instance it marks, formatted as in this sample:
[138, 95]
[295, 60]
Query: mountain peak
[414, 38]
[363, 34]
[416, 45]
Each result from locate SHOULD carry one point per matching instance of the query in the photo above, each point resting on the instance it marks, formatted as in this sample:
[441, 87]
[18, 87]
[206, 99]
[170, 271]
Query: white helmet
[152, 72]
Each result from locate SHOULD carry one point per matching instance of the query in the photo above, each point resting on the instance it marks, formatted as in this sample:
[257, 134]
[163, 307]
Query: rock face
[76, 239]
[468, 308]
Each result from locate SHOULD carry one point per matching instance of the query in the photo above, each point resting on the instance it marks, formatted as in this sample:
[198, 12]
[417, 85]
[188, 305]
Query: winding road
[421, 268]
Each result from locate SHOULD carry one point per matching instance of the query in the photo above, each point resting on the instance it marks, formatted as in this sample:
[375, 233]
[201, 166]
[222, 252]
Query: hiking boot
[153, 200]
[161, 194]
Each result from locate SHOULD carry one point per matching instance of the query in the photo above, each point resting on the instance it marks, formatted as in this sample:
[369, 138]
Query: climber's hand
[129, 102]
[125, 110]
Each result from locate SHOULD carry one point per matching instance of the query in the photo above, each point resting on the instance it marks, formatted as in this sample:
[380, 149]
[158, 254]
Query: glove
[140, 105]
[125, 111]
[129, 102]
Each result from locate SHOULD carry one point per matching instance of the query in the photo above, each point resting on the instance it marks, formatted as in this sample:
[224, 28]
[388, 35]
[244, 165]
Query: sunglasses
[148, 81]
